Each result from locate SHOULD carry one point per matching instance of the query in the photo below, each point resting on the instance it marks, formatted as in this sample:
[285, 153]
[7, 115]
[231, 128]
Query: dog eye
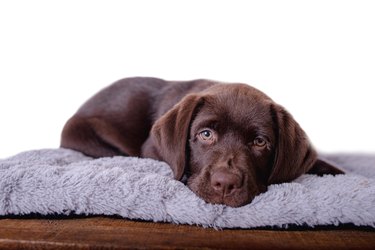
[206, 135]
[259, 142]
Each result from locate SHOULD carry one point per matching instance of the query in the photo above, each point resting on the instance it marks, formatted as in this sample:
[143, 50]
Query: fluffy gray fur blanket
[60, 181]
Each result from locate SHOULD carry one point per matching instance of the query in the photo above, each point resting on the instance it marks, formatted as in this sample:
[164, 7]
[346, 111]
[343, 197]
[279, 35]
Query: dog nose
[225, 182]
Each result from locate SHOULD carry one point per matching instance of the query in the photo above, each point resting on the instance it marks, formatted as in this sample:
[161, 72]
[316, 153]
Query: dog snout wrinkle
[230, 162]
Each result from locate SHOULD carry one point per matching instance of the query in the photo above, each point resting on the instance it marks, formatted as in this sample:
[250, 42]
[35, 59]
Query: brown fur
[252, 142]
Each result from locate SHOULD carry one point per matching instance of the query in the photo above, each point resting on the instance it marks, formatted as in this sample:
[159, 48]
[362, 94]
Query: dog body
[230, 140]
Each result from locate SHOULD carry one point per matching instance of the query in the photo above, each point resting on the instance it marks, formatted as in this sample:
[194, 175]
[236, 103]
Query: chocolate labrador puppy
[230, 141]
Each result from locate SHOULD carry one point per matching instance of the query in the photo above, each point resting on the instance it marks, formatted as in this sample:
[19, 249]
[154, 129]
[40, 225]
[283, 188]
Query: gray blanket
[60, 181]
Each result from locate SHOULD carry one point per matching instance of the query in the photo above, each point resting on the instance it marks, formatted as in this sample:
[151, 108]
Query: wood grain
[114, 233]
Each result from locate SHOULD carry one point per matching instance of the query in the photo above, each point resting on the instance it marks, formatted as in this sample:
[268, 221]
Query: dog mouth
[236, 198]
[232, 201]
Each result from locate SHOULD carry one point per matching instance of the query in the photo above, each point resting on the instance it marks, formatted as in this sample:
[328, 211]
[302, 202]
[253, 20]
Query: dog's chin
[238, 199]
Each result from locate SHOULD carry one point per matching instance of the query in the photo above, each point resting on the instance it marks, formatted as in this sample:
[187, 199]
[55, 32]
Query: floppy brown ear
[171, 131]
[322, 167]
[294, 154]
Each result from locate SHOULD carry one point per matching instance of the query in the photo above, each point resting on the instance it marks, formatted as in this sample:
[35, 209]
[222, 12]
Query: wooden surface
[114, 233]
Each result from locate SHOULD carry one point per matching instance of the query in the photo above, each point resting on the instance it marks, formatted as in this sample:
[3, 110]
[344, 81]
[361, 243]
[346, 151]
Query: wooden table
[115, 233]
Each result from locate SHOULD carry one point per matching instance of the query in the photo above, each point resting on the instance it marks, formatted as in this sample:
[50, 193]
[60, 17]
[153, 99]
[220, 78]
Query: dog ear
[170, 133]
[322, 167]
[294, 154]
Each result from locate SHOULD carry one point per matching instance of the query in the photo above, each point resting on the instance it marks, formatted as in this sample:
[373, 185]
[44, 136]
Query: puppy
[230, 140]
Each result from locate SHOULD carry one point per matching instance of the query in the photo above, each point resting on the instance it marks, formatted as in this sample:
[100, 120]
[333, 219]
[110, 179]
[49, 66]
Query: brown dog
[230, 140]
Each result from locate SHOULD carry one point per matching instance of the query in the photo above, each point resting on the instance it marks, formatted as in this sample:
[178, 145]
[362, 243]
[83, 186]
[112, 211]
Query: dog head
[232, 141]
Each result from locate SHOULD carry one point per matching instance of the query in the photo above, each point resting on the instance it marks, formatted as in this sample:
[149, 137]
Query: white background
[316, 58]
